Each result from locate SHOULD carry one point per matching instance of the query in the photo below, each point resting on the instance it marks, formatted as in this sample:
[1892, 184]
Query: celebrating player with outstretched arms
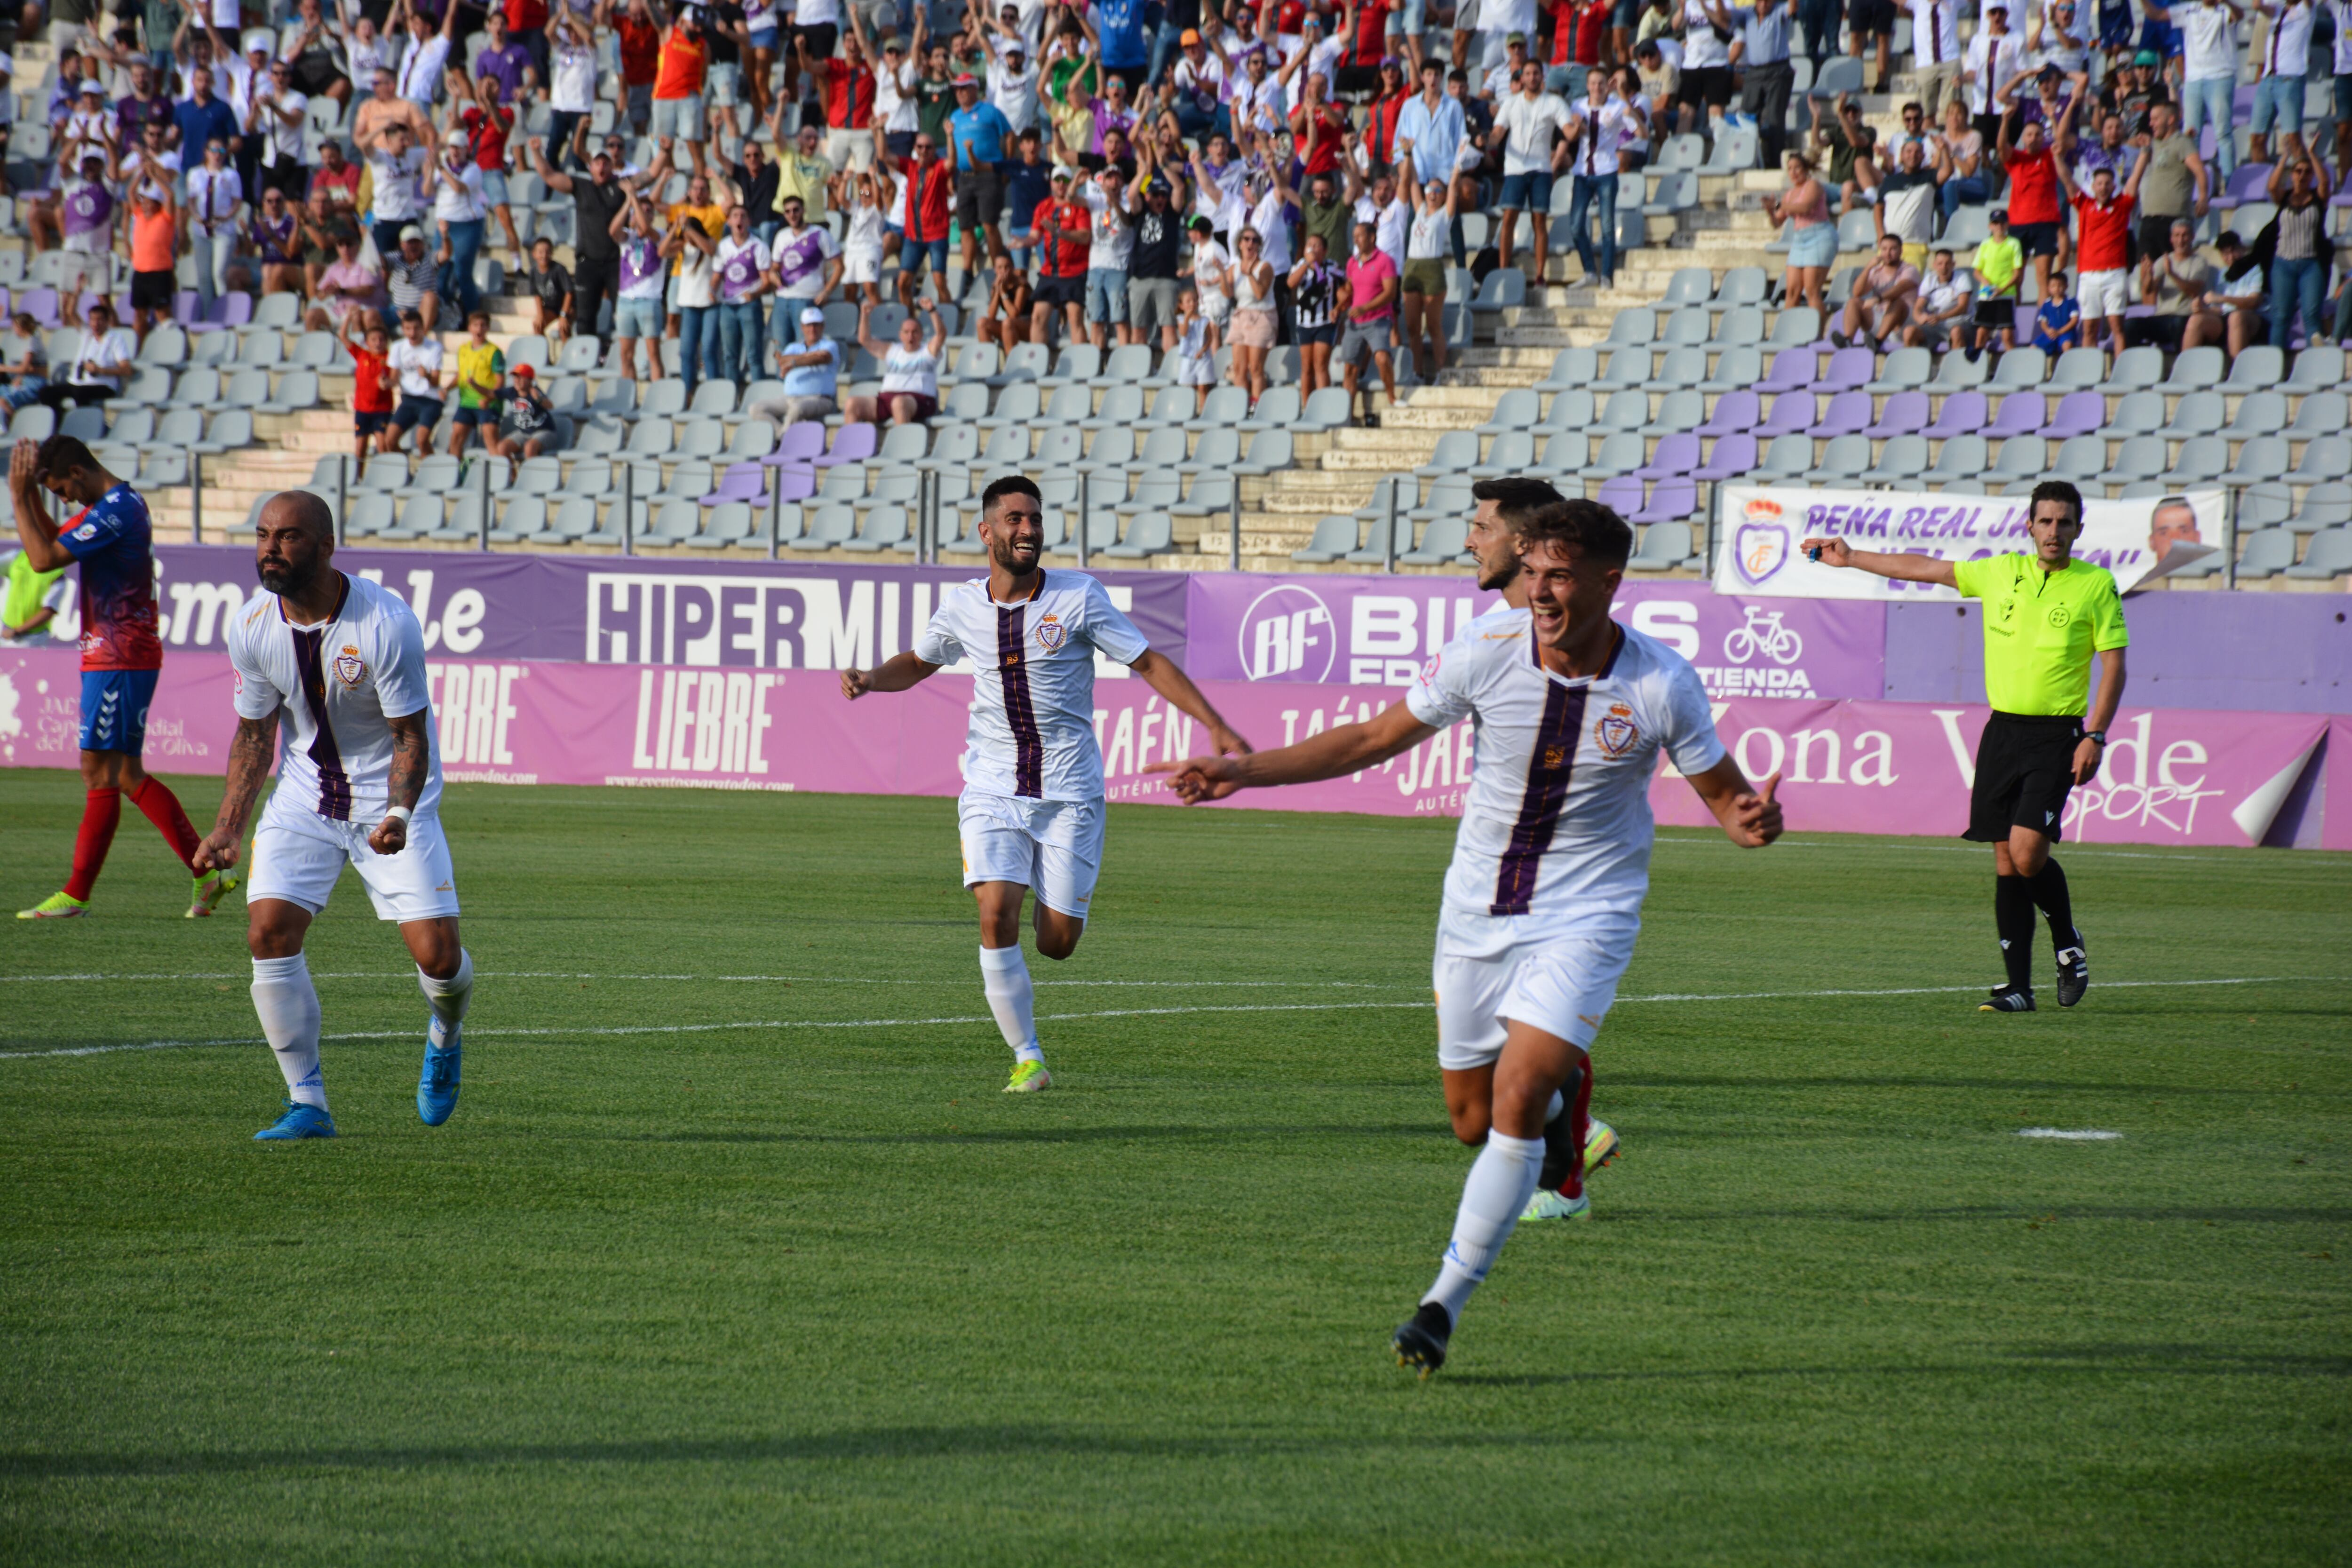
[2047, 618]
[343, 659]
[1032, 810]
[1550, 865]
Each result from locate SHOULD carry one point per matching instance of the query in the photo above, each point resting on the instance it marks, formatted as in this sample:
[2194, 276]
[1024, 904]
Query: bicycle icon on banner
[1763, 634]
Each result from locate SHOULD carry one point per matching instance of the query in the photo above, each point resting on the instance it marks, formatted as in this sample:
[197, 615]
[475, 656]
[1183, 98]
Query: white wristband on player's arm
[401, 811]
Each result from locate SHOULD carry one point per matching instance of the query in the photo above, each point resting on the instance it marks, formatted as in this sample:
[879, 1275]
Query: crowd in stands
[1210, 183]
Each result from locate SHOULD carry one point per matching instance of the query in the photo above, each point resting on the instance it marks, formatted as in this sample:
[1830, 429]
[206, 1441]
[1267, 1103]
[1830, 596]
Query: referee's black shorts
[2025, 766]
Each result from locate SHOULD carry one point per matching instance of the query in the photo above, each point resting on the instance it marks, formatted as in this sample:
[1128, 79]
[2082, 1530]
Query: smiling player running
[1031, 808]
[1550, 865]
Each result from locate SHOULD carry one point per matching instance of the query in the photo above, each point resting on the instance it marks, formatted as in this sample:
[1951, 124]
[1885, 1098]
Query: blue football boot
[299, 1121]
[436, 1084]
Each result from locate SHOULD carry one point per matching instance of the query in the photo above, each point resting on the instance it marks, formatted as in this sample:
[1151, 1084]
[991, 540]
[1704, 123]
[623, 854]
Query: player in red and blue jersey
[122, 655]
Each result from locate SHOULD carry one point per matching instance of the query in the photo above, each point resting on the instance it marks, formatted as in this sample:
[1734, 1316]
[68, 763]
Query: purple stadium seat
[1673, 501]
[1848, 413]
[1792, 370]
[187, 307]
[742, 481]
[2247, 183]
[1676, 456]
[2079, 414]
[2021, 414]
[1734, 456]
[1905, 415]
[1793, 415]
[1622, 495]
[799, 446]
[41, 304]
[1848, 370]
[1963, 414]
[851, 443]
[1736, 413]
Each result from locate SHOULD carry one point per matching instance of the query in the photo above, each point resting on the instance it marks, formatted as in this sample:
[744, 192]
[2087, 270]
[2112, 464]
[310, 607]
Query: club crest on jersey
[1616, 731]
[1555, 758]
[350, 669]
[1051, 635]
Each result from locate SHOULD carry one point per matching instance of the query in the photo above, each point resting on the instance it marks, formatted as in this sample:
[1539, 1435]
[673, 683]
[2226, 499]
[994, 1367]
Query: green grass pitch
[692, 1278]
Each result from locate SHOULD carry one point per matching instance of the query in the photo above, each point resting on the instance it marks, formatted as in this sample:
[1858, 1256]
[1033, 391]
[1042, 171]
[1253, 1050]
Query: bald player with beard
[1496, 525]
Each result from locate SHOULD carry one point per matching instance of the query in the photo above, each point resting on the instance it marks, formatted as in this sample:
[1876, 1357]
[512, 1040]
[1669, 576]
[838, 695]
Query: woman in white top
[1428, 242]
[910, 370]
[870, 192]
[1252, 317]
[1213, 273]
[698, 320]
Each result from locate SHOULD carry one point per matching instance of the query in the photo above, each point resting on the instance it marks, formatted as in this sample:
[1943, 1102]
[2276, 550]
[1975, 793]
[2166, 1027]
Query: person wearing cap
[812, 372]
[1502, 81]
[1998, 264]
[1063, 228]
[1196, 87]
[923, 219]
[460, 214]
[412, 278]
[978, 132]
[215, 194]
[894, 82]
[521, 421]
[1013, 78]
[1994, 58]
[598, 200]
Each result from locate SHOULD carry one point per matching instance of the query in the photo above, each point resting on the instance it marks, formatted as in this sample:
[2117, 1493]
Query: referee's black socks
[2057, 905]
[2013, 917]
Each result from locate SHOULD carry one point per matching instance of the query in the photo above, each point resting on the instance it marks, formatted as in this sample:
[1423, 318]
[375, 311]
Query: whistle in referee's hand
[1814, 553]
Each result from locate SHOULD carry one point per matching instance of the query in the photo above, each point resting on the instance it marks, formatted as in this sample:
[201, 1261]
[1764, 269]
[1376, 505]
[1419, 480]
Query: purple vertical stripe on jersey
[1549, 767]
[334, 784]
[1012, 671]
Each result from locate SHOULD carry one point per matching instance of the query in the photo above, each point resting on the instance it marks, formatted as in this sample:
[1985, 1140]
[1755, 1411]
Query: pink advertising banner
[2172, 776]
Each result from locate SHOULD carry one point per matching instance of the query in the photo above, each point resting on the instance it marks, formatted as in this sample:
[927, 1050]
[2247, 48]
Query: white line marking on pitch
[1067, 1017]
[2072, 1135]
[769, 979]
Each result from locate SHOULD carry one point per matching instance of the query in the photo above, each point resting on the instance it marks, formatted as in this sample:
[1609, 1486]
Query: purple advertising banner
[1376, 631]
[2170, 776]
[642, 609]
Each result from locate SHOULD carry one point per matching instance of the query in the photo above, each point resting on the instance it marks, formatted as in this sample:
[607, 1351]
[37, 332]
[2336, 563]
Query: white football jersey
[1032, 693]
[1556, 828]
[337, 682]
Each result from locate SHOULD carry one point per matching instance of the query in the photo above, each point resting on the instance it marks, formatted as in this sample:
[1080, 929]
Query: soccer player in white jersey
[343, 659]
[1032, 810]
[1550, 864]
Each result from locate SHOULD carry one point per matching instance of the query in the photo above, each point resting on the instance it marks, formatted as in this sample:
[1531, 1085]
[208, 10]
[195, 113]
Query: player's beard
[293, 578]
[1007, 554]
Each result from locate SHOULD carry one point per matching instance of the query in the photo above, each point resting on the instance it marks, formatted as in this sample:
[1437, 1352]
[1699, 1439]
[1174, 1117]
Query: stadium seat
[1797, 326]
[1627, 367]
[2259, 460]
[2136, 369]
[1678, 369]
[2080, 460]
[1737, 369]
[1665, 543]
[2259, 413]
[1842, 462]
[2021, 457]
[1149, 533]
[1568, 410]
[1443, 542]
[522, 519]
[1901, 460]
[1565, 454]
[1733, 457]
[2317, 368]
[2258, 368]
[2328, 556]
[1512, 451]
[1792, 413]
[2265, 554]
[826, 528]
[1792, 370]
[2198, 414]
[1904, 414]
[2319, 414]
[2077, 371]
[2023, 369]
[1674, 458]
[1122, 406]
[885, 528]
[2201, 461]
[1516, 409]
[225, 432]
[1621, 453]
[2325, 457]
[1848, 413]
[1904, 370]
[1962, 414]
[2139, 457]
[2194, 370]
[2325, 505]
[2077, 414]
[1677, 411]
[1372, 553]
[369, 515]
[1268, 450]
[2018, 414]
[1960, 459]
[1571, 367]
[2135, 414]
[1109, 449]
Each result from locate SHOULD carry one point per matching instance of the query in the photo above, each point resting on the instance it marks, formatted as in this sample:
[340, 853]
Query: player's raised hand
[390, 838]
[1828, 552]
[1196, 779]
[217, 851]
[1755, 817]
[856, 683]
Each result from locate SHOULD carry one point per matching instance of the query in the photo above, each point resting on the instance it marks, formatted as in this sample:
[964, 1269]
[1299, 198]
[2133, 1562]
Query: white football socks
[447, 998]
[1501, 1181]
[1004, 976]
[289, 1007]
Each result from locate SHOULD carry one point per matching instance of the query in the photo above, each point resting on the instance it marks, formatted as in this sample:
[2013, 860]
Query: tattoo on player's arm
[248, 763]
[412, 754]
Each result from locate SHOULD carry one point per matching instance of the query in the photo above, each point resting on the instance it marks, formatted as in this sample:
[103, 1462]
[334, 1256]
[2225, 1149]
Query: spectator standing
[1006, 319]
[1527, 128]
[378, 113]
[1427, 244]
[572, 86]
[1196, 348]
[1596, 132]
[214, 194]
[1314, 290]
[412, 278]
[1766, 77]
[2103, 221]
[1120, 25]
[458, 211]
[924, 181]
[1805, 206]
[1431, 127]
[2279, 91]
[690, 248]
[2209, 72]
[802, 172]
[2299, 262]
[678, 85]
[1998, 264]
[1961, 168]
[1936, 51]
[427, 54]
[849, 87]
[2034, 216]
[598, 204]
[481, 371]
[416, 360]
[1153, 256]
[641, 274]
[372, 385]
[744, 276]
[1372, 291]
[978, 131]
[1112, 239]
[154, 252]
[1995, 55]
[638, 39]
[808, 267]
[486, 123]
[1706, 62]
[1253, 314]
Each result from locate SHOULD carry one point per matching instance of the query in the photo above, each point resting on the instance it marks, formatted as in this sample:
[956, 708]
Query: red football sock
[99, 812]
[1580, 1128]
[154, 798]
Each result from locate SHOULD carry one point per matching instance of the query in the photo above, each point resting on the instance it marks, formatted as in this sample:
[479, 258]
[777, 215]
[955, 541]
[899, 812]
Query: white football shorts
[297, 856]
[1054, 848]
[1561, 983]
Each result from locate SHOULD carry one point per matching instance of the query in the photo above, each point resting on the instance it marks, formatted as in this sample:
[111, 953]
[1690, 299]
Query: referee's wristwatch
[2098, 735]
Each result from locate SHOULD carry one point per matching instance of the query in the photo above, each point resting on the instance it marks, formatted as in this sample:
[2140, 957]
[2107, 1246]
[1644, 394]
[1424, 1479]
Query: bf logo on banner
[1288, 634]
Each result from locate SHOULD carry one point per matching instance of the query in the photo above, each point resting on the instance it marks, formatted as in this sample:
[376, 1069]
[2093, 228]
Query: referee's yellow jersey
[2042, 629]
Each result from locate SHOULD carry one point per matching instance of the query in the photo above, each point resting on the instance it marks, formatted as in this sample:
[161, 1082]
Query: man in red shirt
[2103, 220]
[2033, 211]
[847, 83]
[1064, 231]
[527, 25]
[928, 182]
[639, 38]
[1380, 124]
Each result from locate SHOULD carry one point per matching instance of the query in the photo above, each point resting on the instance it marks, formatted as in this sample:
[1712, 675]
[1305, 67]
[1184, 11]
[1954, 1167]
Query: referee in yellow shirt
[2045, 615]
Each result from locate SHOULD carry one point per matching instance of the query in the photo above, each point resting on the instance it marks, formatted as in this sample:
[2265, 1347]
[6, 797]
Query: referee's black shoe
[2073, 973]
[1421, 1339]
[2008, 999]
